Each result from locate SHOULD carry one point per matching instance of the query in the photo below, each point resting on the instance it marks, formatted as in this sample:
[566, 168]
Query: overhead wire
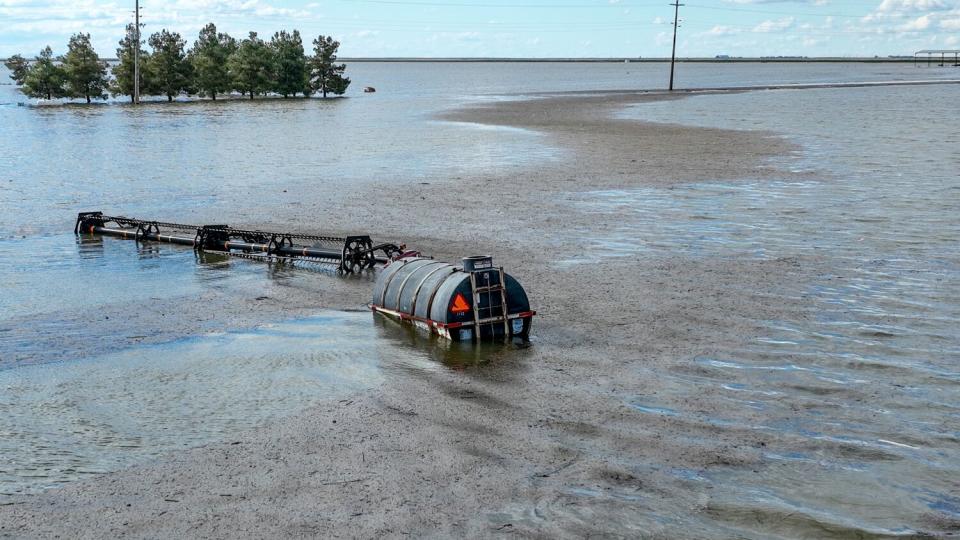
[540, 26]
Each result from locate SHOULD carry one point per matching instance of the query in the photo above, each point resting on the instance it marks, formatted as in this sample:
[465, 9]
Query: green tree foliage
[18, 66]
[170, 72]
[326, 75]
[292, 76]
[216, 64]
[251, 66]
[45, 79]
[123, 71]
[209, 60]
[86, 73]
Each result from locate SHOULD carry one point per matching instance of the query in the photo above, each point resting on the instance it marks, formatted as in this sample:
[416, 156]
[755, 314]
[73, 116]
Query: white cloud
[892, 27]
[813, 42]
[720, 30]
[951, 23]
[911, 6]
[774, 26]
[920, 23]
[28, 25]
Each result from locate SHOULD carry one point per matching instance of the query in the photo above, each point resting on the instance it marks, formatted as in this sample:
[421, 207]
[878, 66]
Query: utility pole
[676, 22]
[136, 54]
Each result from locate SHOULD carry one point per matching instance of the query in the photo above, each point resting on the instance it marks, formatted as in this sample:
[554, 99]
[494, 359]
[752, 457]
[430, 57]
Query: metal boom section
[351, 254]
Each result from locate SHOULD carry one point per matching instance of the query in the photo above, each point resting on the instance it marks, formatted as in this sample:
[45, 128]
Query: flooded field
[114, 353]
[64, 421]
[82, 395]
[864, 386]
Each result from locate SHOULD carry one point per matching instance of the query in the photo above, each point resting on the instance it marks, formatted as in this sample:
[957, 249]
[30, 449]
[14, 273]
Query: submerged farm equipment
[351, 254]
[475, 301]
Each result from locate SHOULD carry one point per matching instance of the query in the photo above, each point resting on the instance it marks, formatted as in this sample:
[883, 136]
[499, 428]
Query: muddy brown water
[861, 392]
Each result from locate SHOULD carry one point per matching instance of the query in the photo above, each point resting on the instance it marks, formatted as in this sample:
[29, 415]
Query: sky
[517, 28]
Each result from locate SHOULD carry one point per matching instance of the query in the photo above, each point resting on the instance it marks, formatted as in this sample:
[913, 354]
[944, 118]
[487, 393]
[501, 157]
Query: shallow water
[218, 161]
[82, 394]
[864, 387]
[61, 422]
[61, 291]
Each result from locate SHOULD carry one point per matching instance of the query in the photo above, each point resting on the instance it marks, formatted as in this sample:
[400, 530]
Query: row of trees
[217, 64]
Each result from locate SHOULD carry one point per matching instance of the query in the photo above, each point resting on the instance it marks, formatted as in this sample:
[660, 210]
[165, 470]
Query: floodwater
[876, 195]
[872, 373]
[62, 421]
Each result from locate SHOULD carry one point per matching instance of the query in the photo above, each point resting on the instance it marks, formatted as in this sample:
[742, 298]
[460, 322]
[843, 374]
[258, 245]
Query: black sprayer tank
[475, 301]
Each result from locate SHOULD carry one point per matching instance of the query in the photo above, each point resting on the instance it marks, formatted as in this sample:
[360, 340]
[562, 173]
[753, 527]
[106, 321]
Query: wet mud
[672, 387]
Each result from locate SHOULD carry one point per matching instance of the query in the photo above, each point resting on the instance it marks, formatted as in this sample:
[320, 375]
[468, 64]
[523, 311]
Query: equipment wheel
[357, 255]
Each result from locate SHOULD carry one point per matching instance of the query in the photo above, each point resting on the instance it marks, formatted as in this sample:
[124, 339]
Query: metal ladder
[490, 319]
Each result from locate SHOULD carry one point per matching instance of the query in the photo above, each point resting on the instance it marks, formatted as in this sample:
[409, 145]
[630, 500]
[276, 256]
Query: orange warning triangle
[460, 304]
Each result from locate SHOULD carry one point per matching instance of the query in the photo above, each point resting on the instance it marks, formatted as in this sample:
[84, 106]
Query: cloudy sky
[517, 28]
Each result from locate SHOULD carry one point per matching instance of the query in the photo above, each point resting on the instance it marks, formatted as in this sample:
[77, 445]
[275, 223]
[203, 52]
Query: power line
[489, 5]
[489, 25]
[772, 12]
[618, 5]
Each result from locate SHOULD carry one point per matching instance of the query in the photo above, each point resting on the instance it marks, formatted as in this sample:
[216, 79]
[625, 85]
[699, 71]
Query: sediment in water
[546, 441]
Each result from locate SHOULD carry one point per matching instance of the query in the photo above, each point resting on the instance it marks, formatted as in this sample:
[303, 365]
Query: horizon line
[621, 59]
[719, 59]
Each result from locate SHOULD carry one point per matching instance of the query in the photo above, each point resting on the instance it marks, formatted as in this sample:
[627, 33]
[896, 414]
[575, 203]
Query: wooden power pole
[136, 54]
[676, 22]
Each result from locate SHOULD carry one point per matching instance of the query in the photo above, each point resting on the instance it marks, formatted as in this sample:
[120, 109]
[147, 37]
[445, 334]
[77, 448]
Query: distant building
[722, 57]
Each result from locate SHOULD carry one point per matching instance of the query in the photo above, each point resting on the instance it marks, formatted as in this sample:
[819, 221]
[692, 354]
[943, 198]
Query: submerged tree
[326, 75]
[251, 66]
[123, 72]
[292, 76]
[86, 73]
[45, 79]
[209, 60]
[18, 66]
[170, 73]
[216, 64]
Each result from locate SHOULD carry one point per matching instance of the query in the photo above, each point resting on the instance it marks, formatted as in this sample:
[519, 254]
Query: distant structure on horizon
[932, 53]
